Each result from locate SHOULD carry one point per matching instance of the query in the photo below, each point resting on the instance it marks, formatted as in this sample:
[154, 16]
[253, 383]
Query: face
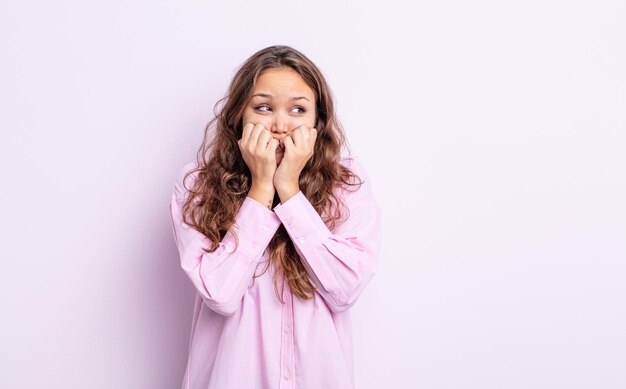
[281, 101]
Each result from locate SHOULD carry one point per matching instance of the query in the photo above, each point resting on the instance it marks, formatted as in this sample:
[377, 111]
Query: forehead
[282, 81]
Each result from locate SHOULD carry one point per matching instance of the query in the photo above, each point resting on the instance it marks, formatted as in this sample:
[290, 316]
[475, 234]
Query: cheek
[251, 117]
[311, 120]
[308, 120]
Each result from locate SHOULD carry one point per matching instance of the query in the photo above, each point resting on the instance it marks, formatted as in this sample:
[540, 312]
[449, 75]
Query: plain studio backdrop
[493, 132]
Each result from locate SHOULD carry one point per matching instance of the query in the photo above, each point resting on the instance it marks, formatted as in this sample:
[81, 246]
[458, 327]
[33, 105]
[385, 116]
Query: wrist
[263, 193]
[262, 185]
[287, 191]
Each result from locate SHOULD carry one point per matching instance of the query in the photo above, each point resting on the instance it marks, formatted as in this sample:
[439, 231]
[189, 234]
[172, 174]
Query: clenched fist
[298, 146]
[258, 149]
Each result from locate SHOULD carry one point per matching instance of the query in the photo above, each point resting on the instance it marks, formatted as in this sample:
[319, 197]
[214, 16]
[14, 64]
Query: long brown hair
[224, 179]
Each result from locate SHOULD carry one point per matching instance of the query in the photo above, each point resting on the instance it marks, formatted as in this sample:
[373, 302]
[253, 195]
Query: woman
[278, 233]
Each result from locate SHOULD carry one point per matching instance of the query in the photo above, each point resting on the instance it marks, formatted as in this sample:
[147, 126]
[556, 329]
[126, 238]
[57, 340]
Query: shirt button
[301, 240]
[266, 228]
[286, 330]
[286, 378]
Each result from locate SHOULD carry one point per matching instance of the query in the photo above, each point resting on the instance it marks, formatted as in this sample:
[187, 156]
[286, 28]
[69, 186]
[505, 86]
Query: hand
[299, 146]
[258, 149]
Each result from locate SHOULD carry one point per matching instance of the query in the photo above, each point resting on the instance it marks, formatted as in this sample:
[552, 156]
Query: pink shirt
[242, 337]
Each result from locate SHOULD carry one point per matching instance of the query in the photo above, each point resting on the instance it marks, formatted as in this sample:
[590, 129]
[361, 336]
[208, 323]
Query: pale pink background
[494, 134]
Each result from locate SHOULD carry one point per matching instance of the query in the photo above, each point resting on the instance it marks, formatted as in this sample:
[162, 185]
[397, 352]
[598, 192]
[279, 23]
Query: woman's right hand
[258, 149]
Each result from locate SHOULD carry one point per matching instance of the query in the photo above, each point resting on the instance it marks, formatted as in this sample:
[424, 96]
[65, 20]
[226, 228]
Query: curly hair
[223, 178]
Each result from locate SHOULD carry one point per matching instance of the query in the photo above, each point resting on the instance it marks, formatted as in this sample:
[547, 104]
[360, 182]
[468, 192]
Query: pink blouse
[242, 337]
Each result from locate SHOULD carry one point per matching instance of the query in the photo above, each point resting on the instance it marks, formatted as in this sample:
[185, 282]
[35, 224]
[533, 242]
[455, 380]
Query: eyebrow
[270, 96]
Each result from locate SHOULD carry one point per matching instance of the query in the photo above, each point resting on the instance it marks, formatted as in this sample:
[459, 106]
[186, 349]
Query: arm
[341, 262]
[222, 277]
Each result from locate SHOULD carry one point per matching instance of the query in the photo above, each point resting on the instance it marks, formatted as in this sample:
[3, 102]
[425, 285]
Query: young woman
[277, 231]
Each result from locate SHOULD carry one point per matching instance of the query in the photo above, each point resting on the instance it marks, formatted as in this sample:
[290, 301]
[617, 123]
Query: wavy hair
[223, 178]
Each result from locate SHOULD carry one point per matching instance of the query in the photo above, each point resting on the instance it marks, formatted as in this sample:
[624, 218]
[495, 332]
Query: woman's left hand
[299, 146]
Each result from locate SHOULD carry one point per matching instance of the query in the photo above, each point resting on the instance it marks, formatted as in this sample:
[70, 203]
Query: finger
[288, 143]
[299, 136]
[245, 135]
[254, 135]
[264, 138]
[272, 145]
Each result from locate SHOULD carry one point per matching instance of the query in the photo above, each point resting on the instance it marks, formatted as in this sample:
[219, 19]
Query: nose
[280, 124]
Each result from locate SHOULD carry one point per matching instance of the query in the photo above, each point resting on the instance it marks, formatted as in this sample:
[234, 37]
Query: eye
[301, 110]
[261, 108]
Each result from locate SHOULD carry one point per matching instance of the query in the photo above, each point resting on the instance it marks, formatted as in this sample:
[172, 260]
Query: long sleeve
[340, 262]
[222, 277]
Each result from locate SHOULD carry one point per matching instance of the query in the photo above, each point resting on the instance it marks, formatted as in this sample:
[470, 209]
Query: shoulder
[364, 192]
[183, 181]
[354, 164]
